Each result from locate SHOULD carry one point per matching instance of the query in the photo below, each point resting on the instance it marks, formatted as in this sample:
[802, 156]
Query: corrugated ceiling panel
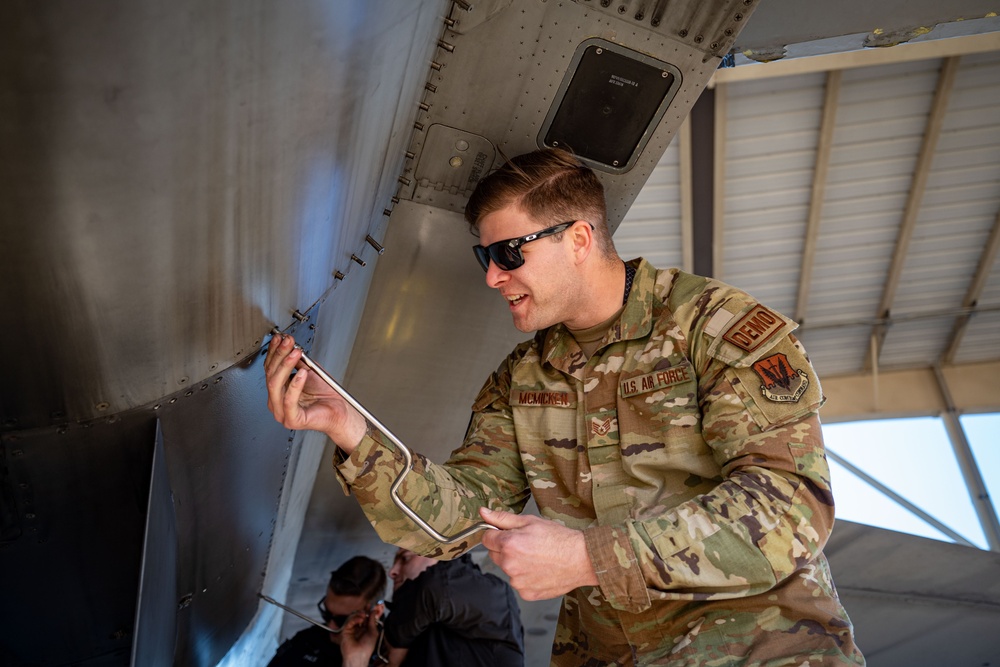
[990, 296]
[836, 350]
[980, 340]
[955, 218]
[881, 116]
[771, 135]
[917, 342]
[770, 151]
[652, 226]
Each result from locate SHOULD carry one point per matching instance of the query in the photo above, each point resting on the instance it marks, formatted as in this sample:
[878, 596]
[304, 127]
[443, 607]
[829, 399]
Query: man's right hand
[299, 399]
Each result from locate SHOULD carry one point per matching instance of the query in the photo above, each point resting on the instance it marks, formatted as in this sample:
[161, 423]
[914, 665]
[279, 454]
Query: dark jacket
[310, 648]
[454, 614]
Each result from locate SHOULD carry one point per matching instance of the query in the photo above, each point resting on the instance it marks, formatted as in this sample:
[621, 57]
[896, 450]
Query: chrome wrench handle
[297, 613]
[403, 449]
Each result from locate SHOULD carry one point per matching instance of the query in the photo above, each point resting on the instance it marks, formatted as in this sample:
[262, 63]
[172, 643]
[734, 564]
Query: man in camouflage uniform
[665, 424]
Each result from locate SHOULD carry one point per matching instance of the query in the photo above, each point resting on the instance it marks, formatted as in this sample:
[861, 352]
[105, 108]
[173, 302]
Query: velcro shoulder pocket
[778, 387]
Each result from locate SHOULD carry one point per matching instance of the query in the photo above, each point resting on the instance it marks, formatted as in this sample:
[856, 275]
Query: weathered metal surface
[71, 569]
[81, 495]
[176, 181]
[156, 607]
[226, 467]
[474, 97]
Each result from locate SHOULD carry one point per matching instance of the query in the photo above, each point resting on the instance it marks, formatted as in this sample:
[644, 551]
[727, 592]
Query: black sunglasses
[340, 619]
[336, 619]
[507, 253]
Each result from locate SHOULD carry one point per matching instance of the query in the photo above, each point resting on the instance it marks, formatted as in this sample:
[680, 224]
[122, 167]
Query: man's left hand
[543, 559]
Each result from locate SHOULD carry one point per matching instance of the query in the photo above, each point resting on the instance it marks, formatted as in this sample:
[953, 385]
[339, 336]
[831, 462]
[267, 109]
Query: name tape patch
[668, 377]
[552, 399]
[754, 329]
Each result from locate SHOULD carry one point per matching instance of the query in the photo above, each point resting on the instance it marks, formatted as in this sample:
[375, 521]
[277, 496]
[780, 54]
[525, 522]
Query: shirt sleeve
[772, 510]
[486, 471]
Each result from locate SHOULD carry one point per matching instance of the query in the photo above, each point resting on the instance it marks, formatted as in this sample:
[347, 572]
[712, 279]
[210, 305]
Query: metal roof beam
[703, 184]
[823, 150]
[935, 120]
[783, 23]
[901, 53]
[899, 499]
[913, 392]
[686, 196]
[975, 289]
[719, 182]
[978, 493]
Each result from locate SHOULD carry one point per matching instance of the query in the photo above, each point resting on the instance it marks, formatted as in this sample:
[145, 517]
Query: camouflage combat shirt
[687, 449]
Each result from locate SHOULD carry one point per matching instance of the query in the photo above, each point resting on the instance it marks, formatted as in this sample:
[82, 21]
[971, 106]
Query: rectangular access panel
[609, 102]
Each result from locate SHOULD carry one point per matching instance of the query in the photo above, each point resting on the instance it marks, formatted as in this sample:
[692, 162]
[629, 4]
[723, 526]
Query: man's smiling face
[539, 291]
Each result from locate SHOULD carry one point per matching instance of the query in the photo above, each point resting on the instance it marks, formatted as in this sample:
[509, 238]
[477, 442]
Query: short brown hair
[360, 576]
[551, 185]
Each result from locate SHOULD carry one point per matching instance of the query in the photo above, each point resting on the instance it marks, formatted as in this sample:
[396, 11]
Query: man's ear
[582, 238]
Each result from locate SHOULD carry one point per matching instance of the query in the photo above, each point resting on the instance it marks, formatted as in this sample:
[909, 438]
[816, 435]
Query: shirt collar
[561, 350]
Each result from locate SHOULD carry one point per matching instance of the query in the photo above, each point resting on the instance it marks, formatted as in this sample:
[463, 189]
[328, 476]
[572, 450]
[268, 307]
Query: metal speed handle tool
[403, 449]
[297, 613]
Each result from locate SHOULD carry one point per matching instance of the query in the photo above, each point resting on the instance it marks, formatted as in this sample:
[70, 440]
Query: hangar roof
[858, 193]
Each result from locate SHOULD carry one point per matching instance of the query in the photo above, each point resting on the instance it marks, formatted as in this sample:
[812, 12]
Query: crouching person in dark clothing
[350, 609]
[451, 613]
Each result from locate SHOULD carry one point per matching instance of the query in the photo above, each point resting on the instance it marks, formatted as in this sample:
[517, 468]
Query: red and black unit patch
[780, 382]
[754, 329]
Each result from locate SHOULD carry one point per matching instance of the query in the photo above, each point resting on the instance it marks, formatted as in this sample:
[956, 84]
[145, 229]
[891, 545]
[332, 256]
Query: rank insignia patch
[602, 426]
[780, 382]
